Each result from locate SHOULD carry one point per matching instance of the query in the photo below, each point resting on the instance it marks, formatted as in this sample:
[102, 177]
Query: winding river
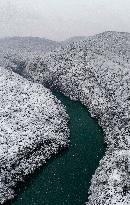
[65, 179]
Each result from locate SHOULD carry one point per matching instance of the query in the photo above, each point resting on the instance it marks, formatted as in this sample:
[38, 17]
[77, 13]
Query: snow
[33, 126]
[95, 71]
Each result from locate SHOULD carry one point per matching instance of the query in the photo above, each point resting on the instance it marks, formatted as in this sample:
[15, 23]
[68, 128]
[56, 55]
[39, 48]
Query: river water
[65, 179]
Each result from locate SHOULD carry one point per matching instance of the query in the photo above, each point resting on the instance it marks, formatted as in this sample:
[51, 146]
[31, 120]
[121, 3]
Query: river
[65, 179]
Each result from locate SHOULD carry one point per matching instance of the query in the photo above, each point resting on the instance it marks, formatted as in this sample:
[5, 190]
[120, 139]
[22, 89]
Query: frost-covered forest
[95, 71]
[33, 126]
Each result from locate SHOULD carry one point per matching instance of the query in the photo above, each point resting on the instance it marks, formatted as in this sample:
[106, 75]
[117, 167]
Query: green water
[65, 179]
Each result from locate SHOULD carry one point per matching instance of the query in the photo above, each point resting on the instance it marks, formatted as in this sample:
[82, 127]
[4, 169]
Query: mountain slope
[28, 43]
[27, 47]
[33, 126]
[96, 71]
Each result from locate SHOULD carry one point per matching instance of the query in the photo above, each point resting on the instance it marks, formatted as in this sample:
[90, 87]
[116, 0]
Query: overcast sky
[60, 19]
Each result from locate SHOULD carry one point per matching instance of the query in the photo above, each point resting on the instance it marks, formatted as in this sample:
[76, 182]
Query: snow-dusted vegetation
[33, 126]
[96, 71]
[24, 47]
[30, 44]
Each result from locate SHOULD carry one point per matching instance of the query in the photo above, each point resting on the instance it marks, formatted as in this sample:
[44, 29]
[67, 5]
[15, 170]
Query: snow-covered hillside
[96, 71]
[33, 126]
[27, 47]
[30, 44]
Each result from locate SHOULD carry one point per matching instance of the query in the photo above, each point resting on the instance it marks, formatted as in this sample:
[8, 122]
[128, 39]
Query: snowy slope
[29, 44]
[33, 126]
[25, 47]
[96, 71]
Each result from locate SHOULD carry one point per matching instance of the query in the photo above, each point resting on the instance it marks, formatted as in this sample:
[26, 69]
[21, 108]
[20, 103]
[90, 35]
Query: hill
[33, 126]
[96, 72]
[27, 47]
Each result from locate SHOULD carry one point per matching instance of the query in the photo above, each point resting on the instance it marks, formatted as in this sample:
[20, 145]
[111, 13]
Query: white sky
[60, 19]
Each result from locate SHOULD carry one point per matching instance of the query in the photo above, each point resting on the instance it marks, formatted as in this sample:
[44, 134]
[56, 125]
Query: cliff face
[33, 126]
[96, 71]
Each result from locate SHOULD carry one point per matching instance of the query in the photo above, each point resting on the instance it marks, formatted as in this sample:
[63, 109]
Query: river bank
[65, 179]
